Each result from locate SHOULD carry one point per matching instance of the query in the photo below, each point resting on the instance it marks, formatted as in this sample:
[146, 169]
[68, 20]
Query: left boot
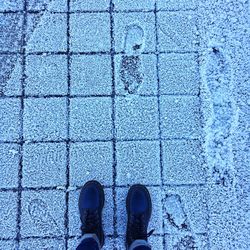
[91, 202]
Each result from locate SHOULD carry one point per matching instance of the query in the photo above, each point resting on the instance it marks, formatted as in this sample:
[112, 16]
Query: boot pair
[138, 206]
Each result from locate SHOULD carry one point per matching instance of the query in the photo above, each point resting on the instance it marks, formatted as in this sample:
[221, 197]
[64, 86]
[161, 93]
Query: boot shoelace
[90, 221]
[138, 228]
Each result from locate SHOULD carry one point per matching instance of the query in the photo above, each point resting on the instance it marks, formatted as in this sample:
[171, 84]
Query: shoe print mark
[218, 78]
[134, 39]
[42, 5]
[176, 216]
[10, 36]
[41, 217]
[186, 242]
[130, 73]
[131, 67]
[175, 213]
[8, 63]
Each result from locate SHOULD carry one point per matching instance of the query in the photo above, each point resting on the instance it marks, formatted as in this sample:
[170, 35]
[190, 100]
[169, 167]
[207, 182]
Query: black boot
[139, 208]
[91, 202]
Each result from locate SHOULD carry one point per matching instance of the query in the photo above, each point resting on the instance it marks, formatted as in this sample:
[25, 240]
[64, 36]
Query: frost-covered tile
[11, 32]
[89, 161]
[44, 164]
[11, 5]
[8, 245]
[50, 5]
[176, 4]
[134, 5]
[179, 74]
[42, 244]
[50, 79]
[156, 217]
[180, 117]
[156, 242]
[43, 213]
[91, 75]
[10, 119]
[134, 31]
[177, 31]
[45, 119]
[136, 74]
[137, 117]
[10, 75]
[9, 165]
[90, 118]
[185, 210]
[47, 32]
[8, 213]
[136, 161]
[90, 32]
[100, 5]
[74, 242]
[183, 162]
[74, 216]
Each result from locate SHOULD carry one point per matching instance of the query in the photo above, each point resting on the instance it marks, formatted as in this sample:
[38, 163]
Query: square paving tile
[44, 165]
[92, 35]
[10, 5]
[8, 245]
[136, 161]
[137, 118]
[43, 213]
[134, 5]
[179, 74]
[91, 160]
[47, 32]
[177, 31]
[83, 5]
[10, 119]
[50, 79]
[9, 165]
[180, 117]
[8, 214]
[91, 75]
[90, 118]
[45, 119]
[183, 162]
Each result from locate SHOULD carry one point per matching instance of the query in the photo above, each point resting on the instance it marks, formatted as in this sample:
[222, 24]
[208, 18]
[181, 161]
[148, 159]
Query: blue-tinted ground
[152, 91]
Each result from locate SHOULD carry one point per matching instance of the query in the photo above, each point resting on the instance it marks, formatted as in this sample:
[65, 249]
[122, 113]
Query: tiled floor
[76, 104]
